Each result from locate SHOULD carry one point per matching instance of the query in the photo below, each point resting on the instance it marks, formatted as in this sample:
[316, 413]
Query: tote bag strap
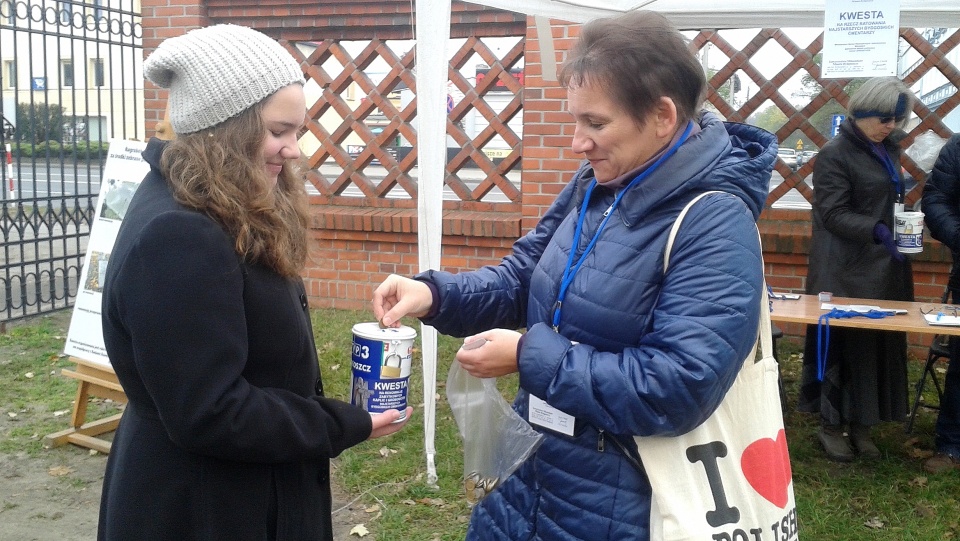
[765, 331]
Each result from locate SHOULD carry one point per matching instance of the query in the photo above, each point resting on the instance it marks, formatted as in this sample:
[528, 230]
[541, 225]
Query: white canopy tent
[433, 31]
[716, 14]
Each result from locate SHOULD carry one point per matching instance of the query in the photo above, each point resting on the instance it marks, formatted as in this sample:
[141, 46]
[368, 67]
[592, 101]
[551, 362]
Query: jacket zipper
[627, 455]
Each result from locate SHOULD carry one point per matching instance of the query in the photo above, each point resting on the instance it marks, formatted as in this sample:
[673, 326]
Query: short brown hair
[638, 57]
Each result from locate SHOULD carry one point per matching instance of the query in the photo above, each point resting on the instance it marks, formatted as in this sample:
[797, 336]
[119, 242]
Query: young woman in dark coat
[857, 188]
[227, 433]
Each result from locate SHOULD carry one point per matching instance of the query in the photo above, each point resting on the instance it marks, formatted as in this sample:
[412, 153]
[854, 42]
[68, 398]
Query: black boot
[835, 443]
[860, 438]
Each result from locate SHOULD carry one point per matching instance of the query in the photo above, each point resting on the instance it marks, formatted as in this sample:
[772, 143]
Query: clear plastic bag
[925, 149]
[496, 440]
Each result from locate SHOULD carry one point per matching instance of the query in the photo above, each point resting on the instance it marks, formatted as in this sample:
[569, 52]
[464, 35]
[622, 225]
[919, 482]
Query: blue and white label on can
[908, 232]
[381, 360]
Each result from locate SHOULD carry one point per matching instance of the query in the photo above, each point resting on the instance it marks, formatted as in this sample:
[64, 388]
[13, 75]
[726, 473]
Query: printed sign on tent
[122, 173]
[860, 38]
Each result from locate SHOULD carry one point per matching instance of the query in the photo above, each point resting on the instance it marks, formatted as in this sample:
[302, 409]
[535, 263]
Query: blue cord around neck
[823, 332]
[883, 155]
[571, 269]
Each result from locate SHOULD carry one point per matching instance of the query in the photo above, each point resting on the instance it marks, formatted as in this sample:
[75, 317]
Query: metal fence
[71, 80]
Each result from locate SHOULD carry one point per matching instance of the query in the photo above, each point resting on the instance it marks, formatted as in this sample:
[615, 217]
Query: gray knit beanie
[216, 73]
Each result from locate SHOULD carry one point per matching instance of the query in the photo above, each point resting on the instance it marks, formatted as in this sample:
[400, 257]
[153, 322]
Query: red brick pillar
[548, 161]
[163, 19]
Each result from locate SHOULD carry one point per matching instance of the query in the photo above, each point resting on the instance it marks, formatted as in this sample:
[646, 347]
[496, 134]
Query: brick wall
[548, 160]
[163, 19]
[352, 248]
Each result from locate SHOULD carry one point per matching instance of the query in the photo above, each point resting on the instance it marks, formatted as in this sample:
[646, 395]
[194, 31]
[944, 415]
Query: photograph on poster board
[96, 270]
[116, 198]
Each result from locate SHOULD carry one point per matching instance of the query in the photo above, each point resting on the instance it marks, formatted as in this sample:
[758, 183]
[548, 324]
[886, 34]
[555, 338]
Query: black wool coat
[852, 192]
[226, 434]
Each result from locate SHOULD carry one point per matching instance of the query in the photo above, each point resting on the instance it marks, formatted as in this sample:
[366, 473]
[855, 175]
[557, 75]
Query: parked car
[805, 156]
[789, 157]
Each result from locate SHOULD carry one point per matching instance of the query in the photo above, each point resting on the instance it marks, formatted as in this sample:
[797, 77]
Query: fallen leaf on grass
[874, 523]
[28, 375]
[408, 502]
[59, 471]
[436, 502]
[334, 367]
[386, 451]
[919, 481]
[359, 530]
[11, 414]
[59, 413]
[372, 509]
[925, 510]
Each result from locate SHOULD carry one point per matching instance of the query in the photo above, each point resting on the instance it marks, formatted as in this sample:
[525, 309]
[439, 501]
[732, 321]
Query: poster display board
[122, 173]
[860, 38]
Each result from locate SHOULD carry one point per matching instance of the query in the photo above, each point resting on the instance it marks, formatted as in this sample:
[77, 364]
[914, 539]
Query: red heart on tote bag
[766, 466]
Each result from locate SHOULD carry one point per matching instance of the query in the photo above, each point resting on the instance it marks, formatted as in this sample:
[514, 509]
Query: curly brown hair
[220, 172]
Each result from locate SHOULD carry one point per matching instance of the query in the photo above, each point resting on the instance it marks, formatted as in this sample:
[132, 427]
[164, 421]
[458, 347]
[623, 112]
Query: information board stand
[93, 380]
[122, 173]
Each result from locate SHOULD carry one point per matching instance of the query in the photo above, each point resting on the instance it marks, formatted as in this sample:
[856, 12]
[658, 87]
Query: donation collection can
[381, 361]
[908, 232]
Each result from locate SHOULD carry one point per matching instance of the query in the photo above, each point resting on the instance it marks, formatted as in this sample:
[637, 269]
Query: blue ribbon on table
[823, 332]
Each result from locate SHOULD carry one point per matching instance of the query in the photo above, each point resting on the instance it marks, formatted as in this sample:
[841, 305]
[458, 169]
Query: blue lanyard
[571, 269]
[880, 152]
[823, 333]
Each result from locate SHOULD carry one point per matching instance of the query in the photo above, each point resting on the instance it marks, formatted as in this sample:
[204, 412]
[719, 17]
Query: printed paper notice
[860, 38]
[122, 173]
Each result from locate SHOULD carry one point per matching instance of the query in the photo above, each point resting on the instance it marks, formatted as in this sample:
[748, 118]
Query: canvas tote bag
[729, 479]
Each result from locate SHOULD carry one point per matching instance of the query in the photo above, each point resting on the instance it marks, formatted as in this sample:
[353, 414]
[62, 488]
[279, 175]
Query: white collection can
[381, 362]
[908, 232]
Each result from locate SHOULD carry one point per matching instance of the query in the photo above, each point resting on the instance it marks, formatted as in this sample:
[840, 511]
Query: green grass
[887, 499]
[890, 499]
[35, 399]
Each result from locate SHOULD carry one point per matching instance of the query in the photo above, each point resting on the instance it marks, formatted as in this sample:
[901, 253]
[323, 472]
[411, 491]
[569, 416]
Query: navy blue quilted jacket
[637, 352]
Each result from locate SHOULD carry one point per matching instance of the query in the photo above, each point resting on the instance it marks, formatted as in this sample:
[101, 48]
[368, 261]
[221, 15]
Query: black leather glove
[882, 235]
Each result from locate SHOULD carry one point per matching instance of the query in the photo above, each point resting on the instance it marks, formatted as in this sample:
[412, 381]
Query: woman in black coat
[226, 434]
[858, 187]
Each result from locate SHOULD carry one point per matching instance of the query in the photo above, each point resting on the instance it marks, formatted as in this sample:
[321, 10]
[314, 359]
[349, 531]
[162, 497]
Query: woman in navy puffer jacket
[614, 347]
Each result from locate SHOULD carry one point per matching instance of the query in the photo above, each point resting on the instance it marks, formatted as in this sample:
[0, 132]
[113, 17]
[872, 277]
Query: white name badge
[547, 416]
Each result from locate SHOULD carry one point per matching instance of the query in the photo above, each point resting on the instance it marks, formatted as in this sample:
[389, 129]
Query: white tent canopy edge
[714, 14]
